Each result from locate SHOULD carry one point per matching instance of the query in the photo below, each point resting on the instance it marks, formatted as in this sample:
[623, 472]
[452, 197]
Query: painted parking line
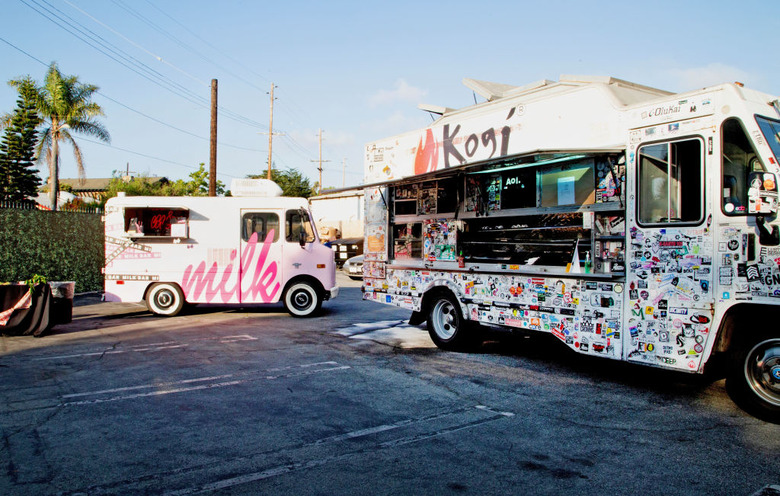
[428, 427]
[150, 347]
[198, 383]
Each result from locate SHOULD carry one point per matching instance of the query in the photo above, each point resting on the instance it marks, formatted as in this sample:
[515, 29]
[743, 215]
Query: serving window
[568, 185]
[554, 210]
[407, 241]
[549, 239]
[426, 198]
[157, 222]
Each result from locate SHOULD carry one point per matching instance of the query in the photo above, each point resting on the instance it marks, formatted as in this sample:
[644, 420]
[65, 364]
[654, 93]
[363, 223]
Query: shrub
[61, 246]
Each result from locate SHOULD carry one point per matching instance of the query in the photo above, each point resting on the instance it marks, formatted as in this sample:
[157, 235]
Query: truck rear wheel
[754, 378]
[165, 299]
[302, 300]
[446, 326]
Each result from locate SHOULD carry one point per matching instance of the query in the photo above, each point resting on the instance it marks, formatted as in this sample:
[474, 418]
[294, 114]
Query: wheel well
[752, 319]
[313, 281]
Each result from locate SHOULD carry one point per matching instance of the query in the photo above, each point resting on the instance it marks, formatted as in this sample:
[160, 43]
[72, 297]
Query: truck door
[670, 256]
[261, 254]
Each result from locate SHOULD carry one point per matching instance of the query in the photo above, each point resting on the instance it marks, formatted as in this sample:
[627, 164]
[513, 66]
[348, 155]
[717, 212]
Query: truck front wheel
[446, 326]
[754, 378]
[165, 299]
[302, 300]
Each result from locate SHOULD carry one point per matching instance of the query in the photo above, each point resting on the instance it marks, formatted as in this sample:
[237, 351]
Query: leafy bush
[61, 246]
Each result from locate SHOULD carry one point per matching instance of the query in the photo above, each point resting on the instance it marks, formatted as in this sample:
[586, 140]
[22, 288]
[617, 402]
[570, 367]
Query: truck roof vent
[254, 187]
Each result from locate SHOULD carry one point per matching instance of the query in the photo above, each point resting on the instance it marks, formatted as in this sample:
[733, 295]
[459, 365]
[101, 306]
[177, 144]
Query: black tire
[165, 299]
[753, 380]
[446, 325]
[302, 300]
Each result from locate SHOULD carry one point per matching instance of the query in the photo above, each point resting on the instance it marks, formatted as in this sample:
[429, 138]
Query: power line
[22, 51]
[146, 156]
[140, 47]
[134, 110]
[197, 36]
[227, 112]
[179, 42]
[137, 112]
[298, 148]
[186, 46]
[99, 43]
[176, 128]
[105, 47]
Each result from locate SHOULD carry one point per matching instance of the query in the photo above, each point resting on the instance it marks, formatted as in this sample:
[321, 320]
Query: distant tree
[18, 177]
[137, 186]
[292, 182]
[198, 185]
[66, 107]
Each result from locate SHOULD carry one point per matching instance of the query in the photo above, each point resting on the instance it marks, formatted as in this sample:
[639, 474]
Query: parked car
[354, 267]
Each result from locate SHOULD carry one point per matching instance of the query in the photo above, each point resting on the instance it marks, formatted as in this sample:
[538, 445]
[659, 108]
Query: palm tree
[66, 107]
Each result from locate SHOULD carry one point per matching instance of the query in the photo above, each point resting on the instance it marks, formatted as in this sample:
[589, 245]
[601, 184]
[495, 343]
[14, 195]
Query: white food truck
[630, 223]
[255, 247]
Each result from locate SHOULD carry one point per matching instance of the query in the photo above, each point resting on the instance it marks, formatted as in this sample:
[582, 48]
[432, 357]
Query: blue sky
[355, 69]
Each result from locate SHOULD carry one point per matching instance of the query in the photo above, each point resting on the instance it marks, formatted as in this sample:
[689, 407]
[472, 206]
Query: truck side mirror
[302, 238]
[762, 193]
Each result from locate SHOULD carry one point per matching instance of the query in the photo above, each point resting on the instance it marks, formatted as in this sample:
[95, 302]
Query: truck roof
[204, 202]
[575, 114]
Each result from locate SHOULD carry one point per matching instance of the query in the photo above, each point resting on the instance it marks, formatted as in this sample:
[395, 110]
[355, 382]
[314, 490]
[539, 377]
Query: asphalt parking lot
[253, 401]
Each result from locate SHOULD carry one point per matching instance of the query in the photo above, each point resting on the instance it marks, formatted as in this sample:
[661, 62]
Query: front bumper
[334, 292]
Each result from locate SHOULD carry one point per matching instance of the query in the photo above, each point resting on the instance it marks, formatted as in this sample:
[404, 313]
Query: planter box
[23, 312]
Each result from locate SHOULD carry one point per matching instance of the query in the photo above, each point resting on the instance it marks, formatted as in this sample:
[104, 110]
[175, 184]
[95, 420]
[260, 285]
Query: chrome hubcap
[164, 299]
[301, 299]
[444, 319]
[762, 370]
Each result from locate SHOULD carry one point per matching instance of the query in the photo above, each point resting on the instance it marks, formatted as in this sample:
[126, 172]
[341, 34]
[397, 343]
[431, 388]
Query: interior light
[567, 158]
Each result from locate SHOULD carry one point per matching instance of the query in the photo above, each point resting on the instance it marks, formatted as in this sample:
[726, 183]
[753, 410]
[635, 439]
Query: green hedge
[61, 246]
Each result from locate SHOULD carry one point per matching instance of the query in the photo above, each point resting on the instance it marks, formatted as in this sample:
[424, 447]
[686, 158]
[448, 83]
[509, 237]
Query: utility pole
[271, 132]
[319, 134]
[213, 144]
